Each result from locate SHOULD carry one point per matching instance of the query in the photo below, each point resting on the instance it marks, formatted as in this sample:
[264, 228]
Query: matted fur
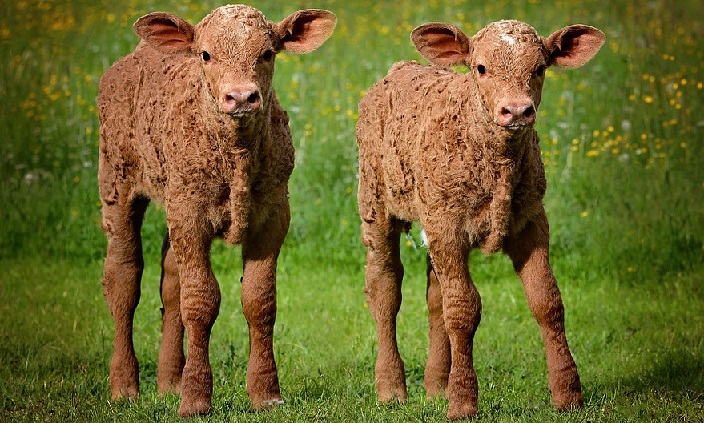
[190, 120]
[458, 153]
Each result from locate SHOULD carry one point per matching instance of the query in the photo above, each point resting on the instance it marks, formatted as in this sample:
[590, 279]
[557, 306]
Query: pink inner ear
[441, 44]
[297, 31]
[438, 39]
[442, 50]
[166, 34]
[306, 30]
[450, 55]
[575, 48]
[444, 41]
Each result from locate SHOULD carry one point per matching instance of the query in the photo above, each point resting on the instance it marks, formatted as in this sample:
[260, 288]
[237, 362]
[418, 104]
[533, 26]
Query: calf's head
[236, 47]
[508, 60]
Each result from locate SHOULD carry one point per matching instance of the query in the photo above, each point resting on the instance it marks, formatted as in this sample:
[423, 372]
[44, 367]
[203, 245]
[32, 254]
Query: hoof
[199, 408]
[129, 393]
[273, 402]
[124, 378]
[389, 396]
[169, 389]
[273, 399]
[436, 394]
[435, 390]
[462, 411]
[572, 401]
[270, 403]
[390, 391]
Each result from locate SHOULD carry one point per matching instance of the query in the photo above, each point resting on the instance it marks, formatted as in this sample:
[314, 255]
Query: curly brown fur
[458, 153]
[190, 120]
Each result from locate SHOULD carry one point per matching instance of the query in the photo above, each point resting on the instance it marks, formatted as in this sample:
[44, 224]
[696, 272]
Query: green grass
[621, 139]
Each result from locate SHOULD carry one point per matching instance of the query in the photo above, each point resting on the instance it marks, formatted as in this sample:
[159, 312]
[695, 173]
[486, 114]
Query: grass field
[623, 143]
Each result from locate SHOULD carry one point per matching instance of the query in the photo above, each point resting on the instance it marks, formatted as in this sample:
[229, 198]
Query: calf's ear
[574, 45]
[305, 30]
[165, 32]
[441, 43]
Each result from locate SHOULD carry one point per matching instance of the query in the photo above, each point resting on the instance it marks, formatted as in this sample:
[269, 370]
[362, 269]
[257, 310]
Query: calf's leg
[200, 304]
[121, 287]
[260, 253]
[461, 306]
[437, 369]
[171, 356]
[529, 253]
[384, 274]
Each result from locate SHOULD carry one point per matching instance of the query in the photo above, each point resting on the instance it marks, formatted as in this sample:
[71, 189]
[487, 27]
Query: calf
[190, 120]
[458, 153]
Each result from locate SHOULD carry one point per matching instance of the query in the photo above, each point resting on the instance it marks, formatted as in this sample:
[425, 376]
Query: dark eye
[206, 56]
[267, 56]
[540, 71]
[481, 69]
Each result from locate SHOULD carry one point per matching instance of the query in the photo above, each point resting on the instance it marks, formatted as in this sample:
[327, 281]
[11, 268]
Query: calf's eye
[205, 55]
[481, 69]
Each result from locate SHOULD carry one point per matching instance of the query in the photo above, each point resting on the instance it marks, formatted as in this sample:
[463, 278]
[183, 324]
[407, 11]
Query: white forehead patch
[509, 39]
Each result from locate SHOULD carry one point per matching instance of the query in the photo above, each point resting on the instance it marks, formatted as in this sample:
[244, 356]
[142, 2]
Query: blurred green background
[622, 140]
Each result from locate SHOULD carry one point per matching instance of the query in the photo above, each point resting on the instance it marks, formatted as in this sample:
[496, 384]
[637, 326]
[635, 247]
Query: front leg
[200, 304]
[529, 251]
[260, 253]
[461, 311]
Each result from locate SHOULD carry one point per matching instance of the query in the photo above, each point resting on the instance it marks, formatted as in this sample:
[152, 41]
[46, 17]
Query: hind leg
[384, 274]
[121, 287]
[437, 369]
[171, 356]
[529, 252]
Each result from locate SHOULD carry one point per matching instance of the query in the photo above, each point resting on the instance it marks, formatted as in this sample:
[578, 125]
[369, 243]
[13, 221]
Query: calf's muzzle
[517, 113]
[240, 100]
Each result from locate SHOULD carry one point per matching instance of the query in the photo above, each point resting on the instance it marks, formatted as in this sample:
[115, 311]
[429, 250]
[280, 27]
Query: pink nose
[240, 100]
[516, 114]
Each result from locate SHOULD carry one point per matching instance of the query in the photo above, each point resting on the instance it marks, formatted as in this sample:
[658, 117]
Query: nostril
[253, 97]
[240, 100]
[513, 114]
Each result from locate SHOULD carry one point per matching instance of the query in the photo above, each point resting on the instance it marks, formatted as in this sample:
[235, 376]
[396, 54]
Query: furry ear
[574, 45]
[165, 32]
[441, 43]
[305, 30]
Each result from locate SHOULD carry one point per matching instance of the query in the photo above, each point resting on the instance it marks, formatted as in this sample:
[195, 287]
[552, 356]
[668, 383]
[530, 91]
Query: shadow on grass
[670, 387]
[677, 372]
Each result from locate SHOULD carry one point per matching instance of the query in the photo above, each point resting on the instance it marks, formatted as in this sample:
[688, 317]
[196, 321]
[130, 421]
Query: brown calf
[190, 120]
[458, 153]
